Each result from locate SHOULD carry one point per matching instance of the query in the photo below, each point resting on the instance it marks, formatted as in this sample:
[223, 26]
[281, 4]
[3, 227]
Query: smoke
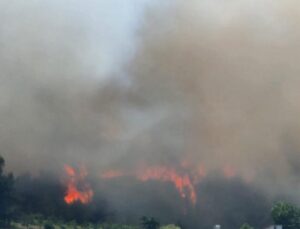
[226, 74]
[115, 85]
[57, 60]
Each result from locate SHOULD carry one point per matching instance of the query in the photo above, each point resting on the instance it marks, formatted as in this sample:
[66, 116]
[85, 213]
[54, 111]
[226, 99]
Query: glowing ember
[85, 194]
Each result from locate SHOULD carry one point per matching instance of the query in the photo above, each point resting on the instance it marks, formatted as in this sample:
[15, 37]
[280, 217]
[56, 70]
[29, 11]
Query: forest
[36, 202]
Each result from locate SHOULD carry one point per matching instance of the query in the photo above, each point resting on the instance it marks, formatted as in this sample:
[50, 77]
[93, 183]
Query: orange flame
[183, 179]
[111, 174]
[73, 193]
[181, 182]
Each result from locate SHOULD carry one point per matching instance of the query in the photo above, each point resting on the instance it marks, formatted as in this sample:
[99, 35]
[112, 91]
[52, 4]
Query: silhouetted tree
[48, 225]
[6, 195]
[287, 215]
[246, 226]
[149, 223]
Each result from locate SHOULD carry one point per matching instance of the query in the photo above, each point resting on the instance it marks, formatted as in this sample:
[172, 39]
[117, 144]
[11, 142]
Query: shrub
[246, 226]
[48, 226]
[171, 226]
[149, 223]
[287, 215]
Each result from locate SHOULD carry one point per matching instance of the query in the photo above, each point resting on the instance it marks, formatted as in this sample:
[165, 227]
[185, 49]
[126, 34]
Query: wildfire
[184, 177]
[74, 180]
[111, 174]
[181, 182]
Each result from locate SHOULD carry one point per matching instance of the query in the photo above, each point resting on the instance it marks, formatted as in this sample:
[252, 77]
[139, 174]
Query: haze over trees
[246, 226]
[6, 195]
[27, 200]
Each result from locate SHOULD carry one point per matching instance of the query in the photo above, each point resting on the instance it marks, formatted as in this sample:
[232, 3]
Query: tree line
[28, 200]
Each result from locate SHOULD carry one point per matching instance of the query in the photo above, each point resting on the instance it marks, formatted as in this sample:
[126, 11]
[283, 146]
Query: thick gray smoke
[226, 75]
[223, 77]
[210, 82]
[57, 60]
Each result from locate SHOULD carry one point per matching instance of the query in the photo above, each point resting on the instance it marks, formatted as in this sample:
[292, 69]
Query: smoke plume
[185, 84]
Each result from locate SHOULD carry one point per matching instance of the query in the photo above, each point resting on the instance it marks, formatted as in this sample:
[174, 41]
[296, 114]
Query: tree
[246, 226]
[171, 226]
[149, 223]
[6, 195]
[286, 214]
[48, 225]
[2, 163]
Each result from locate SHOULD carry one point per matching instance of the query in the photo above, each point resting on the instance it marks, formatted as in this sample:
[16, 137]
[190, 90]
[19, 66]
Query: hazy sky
[107, 28]
[113, 83]
[191, 85]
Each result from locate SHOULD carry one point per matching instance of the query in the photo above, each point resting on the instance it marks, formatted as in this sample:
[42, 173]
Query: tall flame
[184, 177]
[181, 182]
[73, 194]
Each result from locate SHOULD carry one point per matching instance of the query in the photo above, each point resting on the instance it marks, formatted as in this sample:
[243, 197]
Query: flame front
[73, 194]
[111, 174]
[184, 177]
[182, 182]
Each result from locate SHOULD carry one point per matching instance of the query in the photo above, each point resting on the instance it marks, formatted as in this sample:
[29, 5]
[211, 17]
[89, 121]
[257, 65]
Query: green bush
[48, 226]
[246, 226]
[171, 226]
[149, 223]
[287, 215]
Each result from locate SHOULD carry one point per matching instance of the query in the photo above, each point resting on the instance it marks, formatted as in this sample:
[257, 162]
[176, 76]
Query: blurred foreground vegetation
[35, 222]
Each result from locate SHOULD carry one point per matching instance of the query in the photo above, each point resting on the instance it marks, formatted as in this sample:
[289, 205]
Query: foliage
[37, 202]
[171, 226]
[48, 225]
[246, 226]
[149, 223]
[116, 226]
[6, 195]
[44, 195]
[286, 214]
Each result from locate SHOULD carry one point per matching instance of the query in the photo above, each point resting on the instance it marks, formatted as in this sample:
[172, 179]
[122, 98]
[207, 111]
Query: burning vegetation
[182, 181]
[155, 190]
[179, 110]
[184, 177]
[77, 188]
